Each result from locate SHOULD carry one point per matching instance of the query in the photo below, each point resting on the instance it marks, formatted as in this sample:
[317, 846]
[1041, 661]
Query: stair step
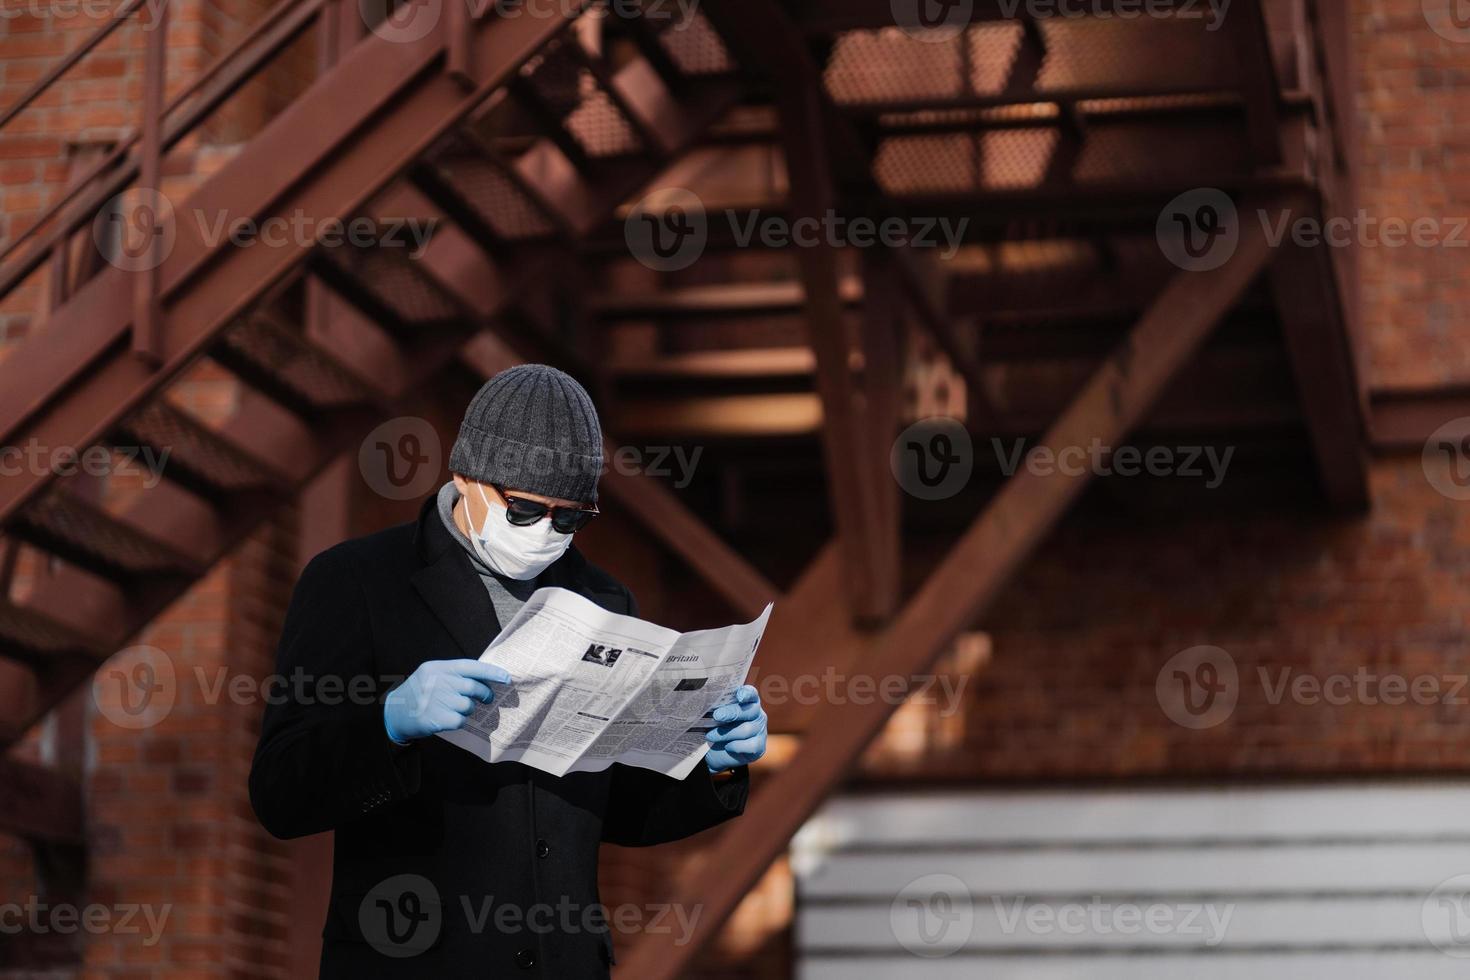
[1084, 59]
[695, 47]
[198, 458]
[646, 33]
[572, 96]
[385, 285]
[280, 363]
[754, 363]
[722, 299]
[493, 193]
[89, 537]
[36, 640]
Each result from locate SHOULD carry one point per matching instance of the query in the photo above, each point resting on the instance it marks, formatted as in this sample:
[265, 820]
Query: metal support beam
[1304, 282]
[146, 303]
[977, 567]
[40, 804]
[1258, 80]
[867, 523]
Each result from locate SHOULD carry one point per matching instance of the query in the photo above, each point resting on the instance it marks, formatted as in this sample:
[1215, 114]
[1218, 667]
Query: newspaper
[591, 687]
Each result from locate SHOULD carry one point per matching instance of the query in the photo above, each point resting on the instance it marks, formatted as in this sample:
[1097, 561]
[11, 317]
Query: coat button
[525, 959]
[542, 848]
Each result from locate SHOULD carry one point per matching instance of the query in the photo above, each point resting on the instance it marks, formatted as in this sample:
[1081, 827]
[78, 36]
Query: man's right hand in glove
[439, 697]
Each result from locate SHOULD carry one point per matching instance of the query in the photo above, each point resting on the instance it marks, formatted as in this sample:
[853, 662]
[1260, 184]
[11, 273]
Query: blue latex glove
[739, 738]
[439, 697]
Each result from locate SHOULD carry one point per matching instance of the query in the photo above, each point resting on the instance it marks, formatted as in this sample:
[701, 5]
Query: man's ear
[460, 484]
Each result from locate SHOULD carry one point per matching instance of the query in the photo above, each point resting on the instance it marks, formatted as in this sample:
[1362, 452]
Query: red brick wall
[168, 811]
[1414, 123]
[1079, 639]
[1082, 634]
[98, 102]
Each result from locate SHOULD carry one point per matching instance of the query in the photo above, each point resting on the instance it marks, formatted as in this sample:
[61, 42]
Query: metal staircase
[513, 136]
[519, 138]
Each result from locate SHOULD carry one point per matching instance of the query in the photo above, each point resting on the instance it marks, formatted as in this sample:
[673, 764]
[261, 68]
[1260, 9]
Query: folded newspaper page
[591, 687]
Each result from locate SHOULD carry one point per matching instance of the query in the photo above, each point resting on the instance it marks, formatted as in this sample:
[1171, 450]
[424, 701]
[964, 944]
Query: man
[445, 866]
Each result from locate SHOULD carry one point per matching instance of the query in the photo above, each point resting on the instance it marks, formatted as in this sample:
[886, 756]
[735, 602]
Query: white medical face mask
[520, 553]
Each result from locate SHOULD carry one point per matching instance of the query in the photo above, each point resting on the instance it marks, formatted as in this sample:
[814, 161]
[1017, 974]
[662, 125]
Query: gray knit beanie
[533, 428]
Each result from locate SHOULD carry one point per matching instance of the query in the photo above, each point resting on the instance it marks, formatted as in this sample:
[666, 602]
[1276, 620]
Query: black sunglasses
[523, 513]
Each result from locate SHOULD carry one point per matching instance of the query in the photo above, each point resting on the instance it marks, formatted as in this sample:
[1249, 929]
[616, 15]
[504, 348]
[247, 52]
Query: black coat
[445, 866]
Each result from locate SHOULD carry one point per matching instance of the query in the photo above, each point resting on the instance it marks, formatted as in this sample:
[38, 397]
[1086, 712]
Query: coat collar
[449, 584]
